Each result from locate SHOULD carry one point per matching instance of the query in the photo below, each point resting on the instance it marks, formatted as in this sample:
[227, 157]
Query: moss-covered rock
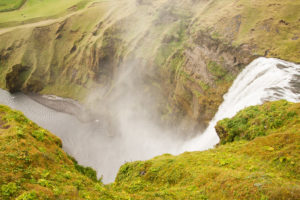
[16, 78]
[254, 121]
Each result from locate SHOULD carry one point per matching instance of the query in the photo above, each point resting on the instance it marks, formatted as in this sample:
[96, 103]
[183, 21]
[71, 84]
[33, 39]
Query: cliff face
[193, 49]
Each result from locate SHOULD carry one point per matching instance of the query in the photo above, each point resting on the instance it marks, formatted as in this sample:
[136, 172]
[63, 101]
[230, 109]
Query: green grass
[259, 27]
[9, 5]
[257, 121]
[33, 165]
[265, 168]
[35, 10]
[216, 69]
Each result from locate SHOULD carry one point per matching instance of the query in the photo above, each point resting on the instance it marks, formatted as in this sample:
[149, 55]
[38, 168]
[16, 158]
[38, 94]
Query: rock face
[16, 78]
[209, 68]
[193, 49]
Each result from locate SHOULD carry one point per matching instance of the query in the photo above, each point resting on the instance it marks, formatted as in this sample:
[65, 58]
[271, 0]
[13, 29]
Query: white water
[265, 79]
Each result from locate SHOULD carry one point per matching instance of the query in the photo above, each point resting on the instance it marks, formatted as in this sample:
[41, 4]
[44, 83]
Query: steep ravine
[190, 52]
[153, 74]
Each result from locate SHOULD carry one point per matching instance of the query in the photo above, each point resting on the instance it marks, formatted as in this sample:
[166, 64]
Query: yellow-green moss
[265, 168]
[33, 165]
[254, 121]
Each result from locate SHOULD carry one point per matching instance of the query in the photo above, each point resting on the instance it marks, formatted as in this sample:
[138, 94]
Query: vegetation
[9, 5]
[66, 47]
[16, 12]
[269, 27]
[266, 167]
[254, 121]
[33, 165]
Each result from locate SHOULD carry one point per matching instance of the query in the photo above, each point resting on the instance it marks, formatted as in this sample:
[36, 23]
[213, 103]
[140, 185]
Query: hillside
[33, 165]
[146, 77]
[192, 50]
[17, 12]
[264, 166]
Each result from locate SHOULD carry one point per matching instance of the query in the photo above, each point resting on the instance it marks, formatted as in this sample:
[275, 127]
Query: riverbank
[64, 105]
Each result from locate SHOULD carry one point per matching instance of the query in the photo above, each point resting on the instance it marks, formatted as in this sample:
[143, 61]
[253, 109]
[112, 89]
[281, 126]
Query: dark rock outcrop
[16, 78]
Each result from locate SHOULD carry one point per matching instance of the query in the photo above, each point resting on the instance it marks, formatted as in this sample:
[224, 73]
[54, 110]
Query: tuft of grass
[216, 69]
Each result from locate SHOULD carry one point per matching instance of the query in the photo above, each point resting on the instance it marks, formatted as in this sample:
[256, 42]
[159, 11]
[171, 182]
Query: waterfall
[265, 79]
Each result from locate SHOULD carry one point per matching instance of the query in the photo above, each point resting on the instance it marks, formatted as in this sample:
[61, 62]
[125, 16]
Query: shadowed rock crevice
[16, 78]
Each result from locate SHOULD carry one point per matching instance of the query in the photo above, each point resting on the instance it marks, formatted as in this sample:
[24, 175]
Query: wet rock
[280, 66]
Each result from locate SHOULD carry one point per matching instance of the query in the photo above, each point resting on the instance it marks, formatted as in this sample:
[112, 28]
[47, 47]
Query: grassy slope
[267, 167]
[9, 5]
[262, 120]
[48, 53]
[34, 166]
[36, 10]
[270, 25]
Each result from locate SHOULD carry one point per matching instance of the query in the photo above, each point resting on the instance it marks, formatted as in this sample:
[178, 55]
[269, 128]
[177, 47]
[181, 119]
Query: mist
[128, 115]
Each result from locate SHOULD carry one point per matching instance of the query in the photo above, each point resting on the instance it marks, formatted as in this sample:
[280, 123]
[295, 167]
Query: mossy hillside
[266, 167]
[254, 121]
[270, 28]
[34, 166]
[52, 55]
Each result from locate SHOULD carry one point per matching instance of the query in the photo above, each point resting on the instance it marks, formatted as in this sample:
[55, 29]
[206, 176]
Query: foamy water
[265, 79]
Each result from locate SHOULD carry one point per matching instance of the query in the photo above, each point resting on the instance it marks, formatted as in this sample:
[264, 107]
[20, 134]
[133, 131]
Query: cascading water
[265, 79]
